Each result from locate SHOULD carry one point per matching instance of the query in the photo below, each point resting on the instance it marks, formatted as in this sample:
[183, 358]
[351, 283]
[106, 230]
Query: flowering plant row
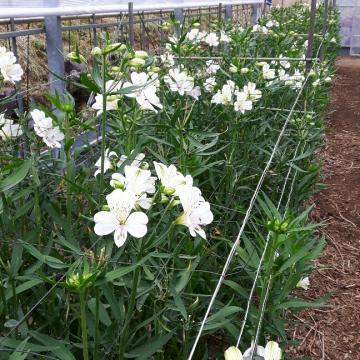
[114, 244]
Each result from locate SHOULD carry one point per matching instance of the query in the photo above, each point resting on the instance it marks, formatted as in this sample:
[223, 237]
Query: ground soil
[333, 332]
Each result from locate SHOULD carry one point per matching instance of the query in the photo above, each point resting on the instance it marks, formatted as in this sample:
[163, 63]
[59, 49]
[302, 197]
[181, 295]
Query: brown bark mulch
[333, 331]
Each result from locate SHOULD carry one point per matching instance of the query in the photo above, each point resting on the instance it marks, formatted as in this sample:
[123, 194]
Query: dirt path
[333, 332]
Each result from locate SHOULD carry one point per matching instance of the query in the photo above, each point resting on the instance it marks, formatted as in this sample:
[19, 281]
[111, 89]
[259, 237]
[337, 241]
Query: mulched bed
[333, 331]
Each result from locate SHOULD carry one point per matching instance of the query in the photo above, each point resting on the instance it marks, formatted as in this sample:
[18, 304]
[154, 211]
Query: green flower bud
[141, 54]
[137, 62]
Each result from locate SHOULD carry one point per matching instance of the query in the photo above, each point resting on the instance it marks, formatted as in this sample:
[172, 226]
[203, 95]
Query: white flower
[225, 95]
[272, 23]
[12, 72]
[316, 83]
[233, 69]
[43, 127]
[212, 39]
[272, 351]
[9, 130]
[171, 179]
[268, 73]
[242, 103]
[333, 40]
[179, 81]
[138, 161]
[196, 211]
[108, 162]
[111, 100]
[212, 67]
[328, 79]
[137, 180]
[195, 92]
[260, 29]
[224, 37]
[146, 95]
[244, 70]
[210, 83]
[259, 351]
[167, 59]
[6, 57]
[251, 92]
[282, 75]
[284, 63]
[304, 283]
[233, 353]
[194, 36]
[119, 219]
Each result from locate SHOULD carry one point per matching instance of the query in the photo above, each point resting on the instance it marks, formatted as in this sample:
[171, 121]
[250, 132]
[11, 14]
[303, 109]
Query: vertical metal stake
[179, 16]
[54, 48]
[311, 35]
[228, 13]
[255, 13]
[94, 31]
[324, 29]
[220, 13]
[131, 23]
[19, 97]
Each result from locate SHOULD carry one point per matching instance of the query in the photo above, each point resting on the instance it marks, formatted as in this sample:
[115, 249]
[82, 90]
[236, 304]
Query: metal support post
[131, 23]
[311, 35]
[54, 48]
[228, 13]
[179, 16]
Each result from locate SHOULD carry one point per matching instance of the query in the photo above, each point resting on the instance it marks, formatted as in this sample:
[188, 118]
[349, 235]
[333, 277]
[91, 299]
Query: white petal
[136, 224]
[120, 236]
[105, 223]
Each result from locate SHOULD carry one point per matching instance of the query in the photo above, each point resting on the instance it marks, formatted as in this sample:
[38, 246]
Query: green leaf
[144, 352]
[20, 353]
[21, 288]
[16, 177]
[103, 315]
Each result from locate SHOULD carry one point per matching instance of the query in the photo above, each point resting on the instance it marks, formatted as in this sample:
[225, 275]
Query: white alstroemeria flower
[138, 161]
[211, 67]
[167, 59]
[171, 179]
[259, 351]
[242, 103]
[6, 57]
[225, 95]
[316, 83]
[333, 40]
[233, 353]
[196, 213]
[12, 72]
[137, 180]
[53, 137]
[284, 63]
[272, 351]
[154, 79]
[9, 130]
[268, 73]
[43, 127]
[212, 39]
[120, 220]
[251, 92]
[260, 29]
[146, 95]
[283, 75]
[111, 100]
[108, 162]
[179, 81]
[193, 36]
[210, 84]
[304, 283]
[224, 37]
[271, 23]
[195, 92]
[173, 39]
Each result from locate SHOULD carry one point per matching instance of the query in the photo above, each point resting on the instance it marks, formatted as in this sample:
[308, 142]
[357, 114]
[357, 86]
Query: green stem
[103, 124]
[96, 339]
[131, 305]
[84, 324]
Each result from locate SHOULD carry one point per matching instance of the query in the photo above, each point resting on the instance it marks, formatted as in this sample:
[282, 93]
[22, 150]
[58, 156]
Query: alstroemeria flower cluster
[182, 83]
[272, 351]
[9, 69]
[133, 193]
[9, 130]
[244, 99]
[44, 127]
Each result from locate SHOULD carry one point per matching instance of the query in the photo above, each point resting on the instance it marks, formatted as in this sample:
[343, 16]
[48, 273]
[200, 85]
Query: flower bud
[137, 62]
[233, 353]
[233, 69]
[244, 70]
[96, 51]
[141, 54]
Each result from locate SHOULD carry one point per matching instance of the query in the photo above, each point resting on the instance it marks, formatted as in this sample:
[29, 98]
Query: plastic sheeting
[39, 8]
